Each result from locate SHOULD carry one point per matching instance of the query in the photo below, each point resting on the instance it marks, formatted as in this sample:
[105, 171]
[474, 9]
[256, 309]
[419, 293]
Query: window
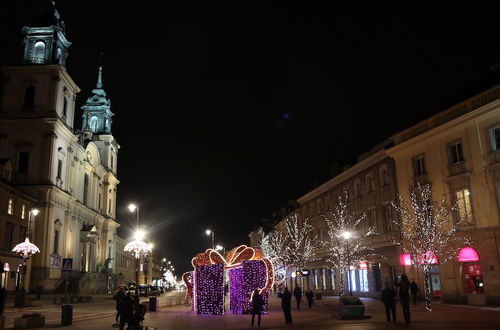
[59, 169]
[56, 241]
[357, 188]
[388, 219]
[85, 189]
[323, 277]
[363, 280]
[370, 183]
[23, 211]
[24, 159]
[9, 230]
[29, 97]
[419, 165]
[373, 219]
[109, 206]
[22, 233]
[99, 202]
[315, 279]
[455, 153]
[65, 103]
[352, 279]
[384, 176]
[495, 137]
[112, 162]
[332, 278]
[39, 52]
[10, 206]
[463, 201]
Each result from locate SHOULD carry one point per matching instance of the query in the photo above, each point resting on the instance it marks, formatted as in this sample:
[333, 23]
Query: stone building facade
[71, 173]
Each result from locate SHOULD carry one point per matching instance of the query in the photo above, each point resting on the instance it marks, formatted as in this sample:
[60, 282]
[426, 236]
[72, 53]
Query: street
[100, 315]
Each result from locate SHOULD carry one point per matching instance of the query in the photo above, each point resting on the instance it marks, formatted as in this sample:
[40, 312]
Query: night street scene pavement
[268, 165]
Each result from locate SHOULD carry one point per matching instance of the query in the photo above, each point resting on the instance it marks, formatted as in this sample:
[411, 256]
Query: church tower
[97, 110]
[46, 43]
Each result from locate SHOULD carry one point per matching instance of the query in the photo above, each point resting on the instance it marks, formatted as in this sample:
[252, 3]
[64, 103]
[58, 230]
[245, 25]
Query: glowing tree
[274, 247]
[345, 243]
[426, 233]
[300, 244]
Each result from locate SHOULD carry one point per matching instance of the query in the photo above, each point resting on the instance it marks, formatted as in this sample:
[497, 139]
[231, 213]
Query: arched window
[65, 102]
[29, 97]
[93, 123]
[39, 52]
[57, 231]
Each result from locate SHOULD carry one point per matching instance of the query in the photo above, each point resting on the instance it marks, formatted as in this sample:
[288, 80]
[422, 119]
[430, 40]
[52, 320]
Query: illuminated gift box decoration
[248, 270]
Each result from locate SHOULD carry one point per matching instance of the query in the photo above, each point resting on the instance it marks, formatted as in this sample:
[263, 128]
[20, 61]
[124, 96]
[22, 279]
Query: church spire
[98, 109]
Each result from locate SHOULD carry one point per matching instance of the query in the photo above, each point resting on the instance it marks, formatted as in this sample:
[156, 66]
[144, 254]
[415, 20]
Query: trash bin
[152, 304]
[66, 314]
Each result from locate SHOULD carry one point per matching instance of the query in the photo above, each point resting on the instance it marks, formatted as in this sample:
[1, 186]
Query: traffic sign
[67, 265]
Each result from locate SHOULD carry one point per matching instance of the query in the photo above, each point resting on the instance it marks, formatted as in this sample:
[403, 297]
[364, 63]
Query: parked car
[144, 290]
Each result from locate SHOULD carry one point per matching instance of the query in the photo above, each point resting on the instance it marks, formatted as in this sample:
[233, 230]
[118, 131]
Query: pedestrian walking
[286, 304]
[404, 296]
[126, 310]
[414, 290]
[389, 300]
[257, 305]
[297, 293]
[309, 297]
[118, 297]
[38, 290]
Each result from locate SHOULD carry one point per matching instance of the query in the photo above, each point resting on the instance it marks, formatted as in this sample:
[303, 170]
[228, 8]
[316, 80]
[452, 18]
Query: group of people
[128, 310]
[389, 295]
[286, 303]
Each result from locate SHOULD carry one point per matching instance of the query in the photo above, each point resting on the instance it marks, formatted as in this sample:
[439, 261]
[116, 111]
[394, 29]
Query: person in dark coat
[389, 300]
[257, 305]
[118, 297]
[310, 297]
[38, 290]
[414, 290]
[297, 293]
[286, 304]
[126, 311]
[404, 296]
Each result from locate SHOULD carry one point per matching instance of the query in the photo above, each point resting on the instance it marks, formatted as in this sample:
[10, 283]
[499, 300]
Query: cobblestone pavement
[100, 315]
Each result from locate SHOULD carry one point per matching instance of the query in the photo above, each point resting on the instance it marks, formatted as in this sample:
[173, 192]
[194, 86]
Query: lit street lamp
[26, 249]
[219, 247]
[137, 247]
[209, 232]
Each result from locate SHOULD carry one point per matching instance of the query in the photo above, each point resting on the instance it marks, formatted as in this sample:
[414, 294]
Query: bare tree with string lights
[301, 245]
[427, 234]
[274, 247]
[345, 243]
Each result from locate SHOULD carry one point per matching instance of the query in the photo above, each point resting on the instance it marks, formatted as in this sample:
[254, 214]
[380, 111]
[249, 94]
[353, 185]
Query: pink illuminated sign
[405, 259]
[468, 254]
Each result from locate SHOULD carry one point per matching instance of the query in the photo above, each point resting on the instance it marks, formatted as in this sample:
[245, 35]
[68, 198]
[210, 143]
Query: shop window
[473, 275]
[363, 280]
[352, 279]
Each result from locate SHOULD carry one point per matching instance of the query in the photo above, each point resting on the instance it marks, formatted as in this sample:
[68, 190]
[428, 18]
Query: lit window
[363, 280]
[462, 197]
[332, 278]
[315, 279]
[10, 206]
[323, 277]
[23, 211]
[456, 153]
[352, 280]
[39, 52]
[419, 165]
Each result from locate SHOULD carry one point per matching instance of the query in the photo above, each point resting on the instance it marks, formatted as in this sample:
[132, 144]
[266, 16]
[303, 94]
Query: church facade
[71, 173]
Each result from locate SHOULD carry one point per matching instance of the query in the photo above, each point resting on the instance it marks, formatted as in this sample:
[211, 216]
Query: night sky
[226, 111]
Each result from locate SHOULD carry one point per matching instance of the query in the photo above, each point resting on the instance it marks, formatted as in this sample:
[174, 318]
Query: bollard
[66, 314]
[152, 304]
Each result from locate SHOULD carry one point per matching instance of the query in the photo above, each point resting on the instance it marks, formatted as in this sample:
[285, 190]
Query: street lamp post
[347, 235]
[25, 249]
[210, 232]
[137, 247]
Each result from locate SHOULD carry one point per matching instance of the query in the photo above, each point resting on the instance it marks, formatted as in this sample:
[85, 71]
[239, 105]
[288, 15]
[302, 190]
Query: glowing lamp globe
[26, 249]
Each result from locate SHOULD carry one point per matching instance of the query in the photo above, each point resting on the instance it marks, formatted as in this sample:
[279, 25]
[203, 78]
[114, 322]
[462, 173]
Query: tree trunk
[342, 289]
[427, 287]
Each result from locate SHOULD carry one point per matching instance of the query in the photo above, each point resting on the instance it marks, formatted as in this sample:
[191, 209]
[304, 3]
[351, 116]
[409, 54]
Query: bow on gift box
[233, 259]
